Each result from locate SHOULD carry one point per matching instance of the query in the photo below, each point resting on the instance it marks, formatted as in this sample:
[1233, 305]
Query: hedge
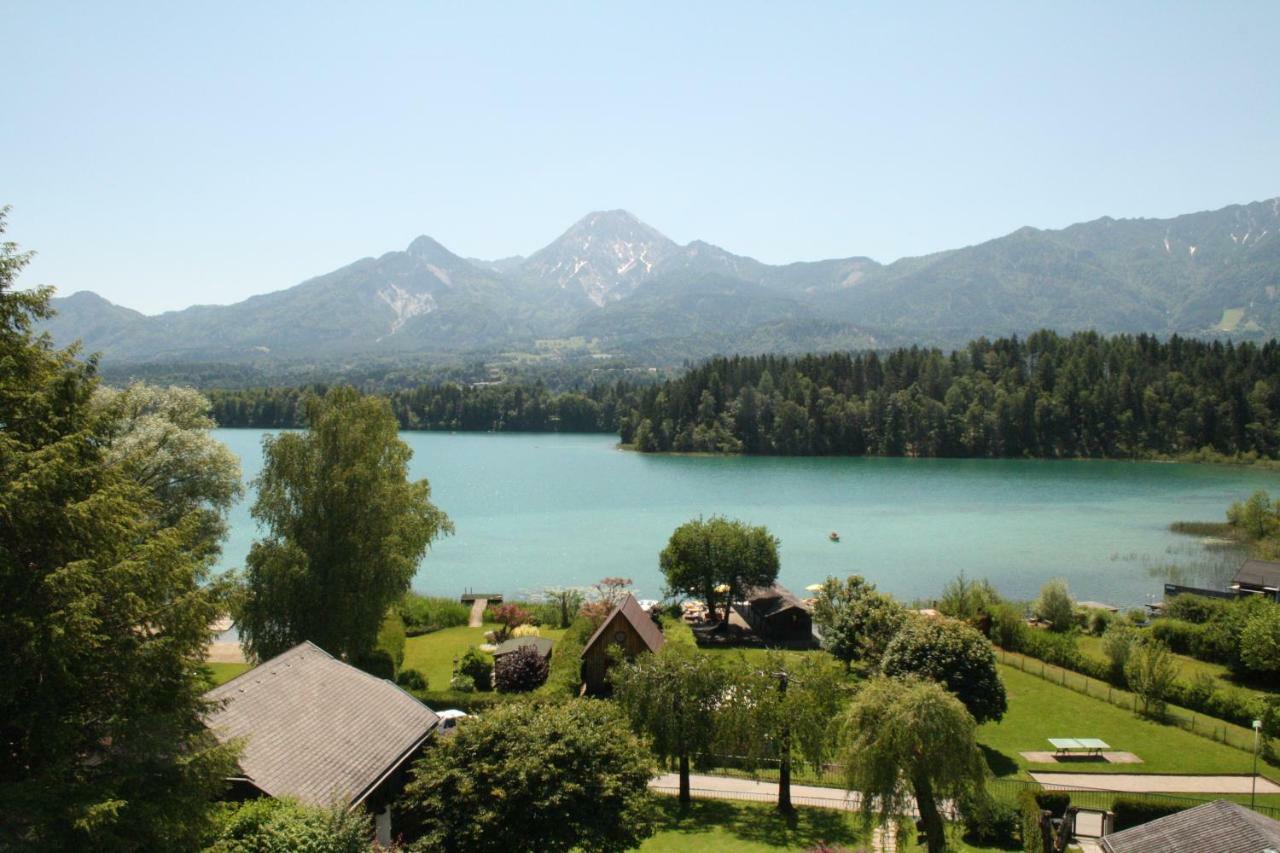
[1132, 812]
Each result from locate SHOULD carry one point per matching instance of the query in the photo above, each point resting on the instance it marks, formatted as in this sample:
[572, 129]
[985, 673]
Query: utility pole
[1253, 793]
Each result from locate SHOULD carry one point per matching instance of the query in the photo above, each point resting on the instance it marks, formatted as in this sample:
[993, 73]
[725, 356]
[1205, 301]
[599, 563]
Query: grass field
[1039, 710]
[433, 655]
[224, 672]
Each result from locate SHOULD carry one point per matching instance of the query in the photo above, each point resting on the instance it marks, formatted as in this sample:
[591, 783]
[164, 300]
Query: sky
[165, 155]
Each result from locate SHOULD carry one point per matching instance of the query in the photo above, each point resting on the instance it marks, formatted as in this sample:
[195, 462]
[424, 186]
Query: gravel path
[1152, 783]
[732, 788]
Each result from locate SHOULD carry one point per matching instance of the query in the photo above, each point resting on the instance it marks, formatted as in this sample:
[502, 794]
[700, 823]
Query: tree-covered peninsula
[1047, 396]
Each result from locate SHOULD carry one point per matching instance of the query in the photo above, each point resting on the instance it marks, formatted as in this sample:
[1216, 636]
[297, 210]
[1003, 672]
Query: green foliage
[462, 683]
[520, 671]
[1255, 518]
[672, 697]
[105, 602]
[1031, 824]
[346, 530]
[1132, 811]
[1260, 640]
[391, 637]
[1045, 396]
[1195, 608]
[571, 776]
[269, 825]
[378, 663]
[988, 821]
[704, 554]
[565, 675]
[856, 621]
[423, 614]
[411, 679]
[1118, 645]
[968, 600]
[477, 666]
[1099, 622]
[1055, 606]
[1150, 672]
[1008, 628]
[954, 655]
[566, 601]
[910, 741]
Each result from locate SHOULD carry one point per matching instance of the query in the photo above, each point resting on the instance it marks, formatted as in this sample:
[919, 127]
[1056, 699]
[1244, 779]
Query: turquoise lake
[537, 510]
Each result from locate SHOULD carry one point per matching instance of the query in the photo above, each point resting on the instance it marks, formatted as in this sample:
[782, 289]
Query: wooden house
[1258, 577]
[627, 626]
[777, 616]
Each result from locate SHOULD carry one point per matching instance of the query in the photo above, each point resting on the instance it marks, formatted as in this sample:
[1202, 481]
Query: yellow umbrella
[722, 588]
[813, 587]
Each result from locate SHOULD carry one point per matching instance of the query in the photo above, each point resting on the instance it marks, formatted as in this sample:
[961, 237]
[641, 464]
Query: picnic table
[1080, 745]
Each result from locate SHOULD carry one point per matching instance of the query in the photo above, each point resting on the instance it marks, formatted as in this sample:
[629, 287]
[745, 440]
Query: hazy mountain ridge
[616, 280]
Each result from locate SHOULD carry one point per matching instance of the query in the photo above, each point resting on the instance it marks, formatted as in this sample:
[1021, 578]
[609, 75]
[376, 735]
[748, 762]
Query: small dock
[479, 602]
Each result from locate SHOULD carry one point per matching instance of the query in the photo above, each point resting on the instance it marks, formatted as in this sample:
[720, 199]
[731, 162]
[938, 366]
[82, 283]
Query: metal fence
[1004, 790]
[1200, 724]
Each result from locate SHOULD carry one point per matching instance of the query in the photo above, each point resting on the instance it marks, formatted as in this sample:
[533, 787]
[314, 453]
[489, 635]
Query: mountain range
[619, 284]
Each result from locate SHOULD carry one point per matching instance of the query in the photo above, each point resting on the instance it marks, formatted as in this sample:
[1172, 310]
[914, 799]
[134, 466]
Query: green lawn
[754, 827]
[1039, 710]
[224, 672]
[433, 655]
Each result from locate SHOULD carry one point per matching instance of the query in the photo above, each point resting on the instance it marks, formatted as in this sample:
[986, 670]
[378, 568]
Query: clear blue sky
[171, 154]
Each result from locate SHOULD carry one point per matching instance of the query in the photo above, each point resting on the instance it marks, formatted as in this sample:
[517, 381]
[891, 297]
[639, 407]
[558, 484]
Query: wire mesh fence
[1200, 724]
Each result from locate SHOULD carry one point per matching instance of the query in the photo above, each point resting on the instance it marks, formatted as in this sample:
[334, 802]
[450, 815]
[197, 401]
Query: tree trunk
[684, 778]
[934, 829]
[784, 780]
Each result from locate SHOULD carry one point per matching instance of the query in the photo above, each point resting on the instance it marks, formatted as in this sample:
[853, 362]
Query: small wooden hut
[777, 616]
[628, 626]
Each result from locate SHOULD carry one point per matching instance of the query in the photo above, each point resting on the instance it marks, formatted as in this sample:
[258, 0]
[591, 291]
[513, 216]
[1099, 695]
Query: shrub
[1150, 673]
[526, 631]
[1099, 622]
[477, 666]
[565, 672]
[411, 679]
[1132, 811]
[377, 662]
[1118, 645]
[391, 638]
[269, 825]
[423, 614]
[989, 822]
[1194, 608]
[1260, 641]
[954, 655]
[1184, 638]
[1058, 649]
[1056, 802]
[462, 683]
[1055, 606]
[520, 671]
[1031, 824]
[1008, 628]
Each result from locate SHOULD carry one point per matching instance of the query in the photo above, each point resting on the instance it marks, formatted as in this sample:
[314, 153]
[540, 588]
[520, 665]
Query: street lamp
[1257, 730]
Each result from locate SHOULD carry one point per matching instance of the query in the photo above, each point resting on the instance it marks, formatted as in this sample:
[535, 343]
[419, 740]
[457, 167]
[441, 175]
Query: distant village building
[777, 616]
[626, 626]
[1258, 577]
[321, 731]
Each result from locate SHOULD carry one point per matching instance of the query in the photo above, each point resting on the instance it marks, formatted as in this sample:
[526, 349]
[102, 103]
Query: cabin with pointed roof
[627, 626]
[320, 731]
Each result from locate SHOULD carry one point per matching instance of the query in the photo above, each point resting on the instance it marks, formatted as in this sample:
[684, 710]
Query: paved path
[733, 788]
[477, 613]
[1152, 783]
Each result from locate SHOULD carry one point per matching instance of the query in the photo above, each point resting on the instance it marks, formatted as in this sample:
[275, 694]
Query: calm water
[541, 510]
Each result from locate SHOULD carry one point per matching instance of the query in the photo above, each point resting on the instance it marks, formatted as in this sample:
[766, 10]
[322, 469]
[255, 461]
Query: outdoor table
[1087, 745]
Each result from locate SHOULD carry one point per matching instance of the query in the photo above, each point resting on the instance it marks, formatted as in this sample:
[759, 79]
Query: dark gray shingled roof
[542, 644]
[316, 728]
[631, 610]
[1264, 573]
[768, 600]
[1214, 827]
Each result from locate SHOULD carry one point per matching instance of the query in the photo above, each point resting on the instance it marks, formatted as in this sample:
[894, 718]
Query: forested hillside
[1047, 396]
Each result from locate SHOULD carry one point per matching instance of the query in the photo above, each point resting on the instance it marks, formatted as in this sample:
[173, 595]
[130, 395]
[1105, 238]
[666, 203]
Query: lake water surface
[536, 510]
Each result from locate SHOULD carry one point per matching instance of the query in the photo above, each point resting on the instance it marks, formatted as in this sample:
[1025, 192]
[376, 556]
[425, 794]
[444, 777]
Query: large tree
[782, 709]
[856, 621]
[913, 732]
[705, 554]
[954, 655]
[558, 777]
[346, 529]
[672, 696]
[105, 603]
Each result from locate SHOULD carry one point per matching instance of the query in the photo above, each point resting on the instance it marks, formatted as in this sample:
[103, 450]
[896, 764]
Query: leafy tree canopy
[346, 530]
[706, 554]
[269, 825]
[856, 621]
[559, 777]
[954, 655]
